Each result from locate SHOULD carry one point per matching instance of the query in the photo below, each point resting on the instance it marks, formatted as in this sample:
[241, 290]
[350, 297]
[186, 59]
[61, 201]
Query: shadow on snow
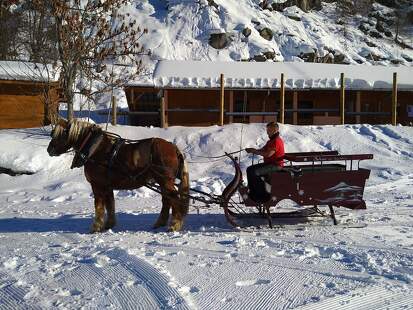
[125, 222]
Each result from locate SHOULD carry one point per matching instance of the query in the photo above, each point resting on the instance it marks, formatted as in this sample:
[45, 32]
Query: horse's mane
[77, 129]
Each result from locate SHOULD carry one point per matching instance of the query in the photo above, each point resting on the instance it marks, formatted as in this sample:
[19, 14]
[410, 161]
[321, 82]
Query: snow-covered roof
[298, 75]
[27, 71]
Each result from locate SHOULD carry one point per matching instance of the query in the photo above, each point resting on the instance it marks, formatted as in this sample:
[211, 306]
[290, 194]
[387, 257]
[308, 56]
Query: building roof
[298, 75]
[27, 71]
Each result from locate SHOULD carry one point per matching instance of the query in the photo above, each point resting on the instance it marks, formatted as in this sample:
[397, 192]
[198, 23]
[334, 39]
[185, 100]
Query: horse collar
[87, 148]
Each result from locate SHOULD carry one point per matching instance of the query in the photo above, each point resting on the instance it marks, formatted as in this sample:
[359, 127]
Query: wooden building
[195, 93]
[28, 95]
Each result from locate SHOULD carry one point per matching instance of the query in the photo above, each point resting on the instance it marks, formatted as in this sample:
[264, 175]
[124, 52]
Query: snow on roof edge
[27, 71]
[298, 75]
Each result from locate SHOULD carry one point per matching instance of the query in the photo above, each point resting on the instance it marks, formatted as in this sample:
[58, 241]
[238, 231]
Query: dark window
[149, 102]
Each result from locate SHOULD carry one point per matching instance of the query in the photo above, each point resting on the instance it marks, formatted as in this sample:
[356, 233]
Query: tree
[91, 36]
[10, 19]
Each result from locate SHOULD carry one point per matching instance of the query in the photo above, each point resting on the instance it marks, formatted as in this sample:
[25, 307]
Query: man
[273, 153]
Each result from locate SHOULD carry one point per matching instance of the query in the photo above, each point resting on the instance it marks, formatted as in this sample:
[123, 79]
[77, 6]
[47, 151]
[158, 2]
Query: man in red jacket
[273, 153]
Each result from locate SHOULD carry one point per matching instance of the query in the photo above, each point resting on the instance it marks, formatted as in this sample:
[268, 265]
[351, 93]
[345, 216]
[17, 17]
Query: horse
[111, 162]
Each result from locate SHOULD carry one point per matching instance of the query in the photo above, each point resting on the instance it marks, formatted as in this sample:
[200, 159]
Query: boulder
[293, 17]
[305, 5]
[219, 40]
[388, 3]
[388, 34]
[364, 28]
[266, 33]
[259, 58]
[407, 58]
[380, 27]
[269, 55]
[375, 34]
[309, 57]
[246, 32]
[212, 3]
[370, 44]
[396, 61]
[339, 58]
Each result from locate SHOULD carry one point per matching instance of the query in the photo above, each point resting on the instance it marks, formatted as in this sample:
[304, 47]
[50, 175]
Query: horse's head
[60, 138]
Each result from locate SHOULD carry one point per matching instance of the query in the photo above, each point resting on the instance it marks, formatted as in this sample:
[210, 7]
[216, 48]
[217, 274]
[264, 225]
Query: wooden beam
[342, 99]
[114, 111]
[245, 102]
[132, 98]
[221, 106]
[282, 99]
[231, 106]
[394, 101]
[165, 99]
[162, 112]
[295, 107]
[358, 106]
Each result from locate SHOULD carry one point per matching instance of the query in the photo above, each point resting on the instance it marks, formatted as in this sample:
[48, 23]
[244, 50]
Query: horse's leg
[110, 210]
[100, 201]
[177, 220]
[166, 205]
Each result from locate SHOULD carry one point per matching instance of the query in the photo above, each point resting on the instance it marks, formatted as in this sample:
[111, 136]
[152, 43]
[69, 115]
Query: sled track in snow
[12, 296]
[148, 288]
[366, 298]
[92, 276]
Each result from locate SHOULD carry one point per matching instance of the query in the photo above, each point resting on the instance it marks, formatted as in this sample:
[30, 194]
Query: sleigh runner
[311, 179]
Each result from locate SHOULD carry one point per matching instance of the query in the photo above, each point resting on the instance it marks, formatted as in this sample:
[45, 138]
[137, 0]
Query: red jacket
[277, 144]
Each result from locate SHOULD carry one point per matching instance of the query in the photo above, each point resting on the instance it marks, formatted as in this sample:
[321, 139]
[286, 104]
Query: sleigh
[309, 179]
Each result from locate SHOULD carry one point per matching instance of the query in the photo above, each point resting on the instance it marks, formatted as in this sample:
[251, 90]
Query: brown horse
[111, 162]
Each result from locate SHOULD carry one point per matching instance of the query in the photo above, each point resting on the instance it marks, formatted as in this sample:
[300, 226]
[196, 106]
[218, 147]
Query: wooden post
[221, 106]
[114, 111]
[342, 99]
[162, 112]
[165, 107]
[358, 107]
[231, 106]
[394, 101]
[244, 105]
[295, 107]
[132, 98]
[282, 99]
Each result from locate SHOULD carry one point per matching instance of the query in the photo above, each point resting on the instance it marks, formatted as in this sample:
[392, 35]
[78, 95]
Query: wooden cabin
[28, 95]
[196, 93]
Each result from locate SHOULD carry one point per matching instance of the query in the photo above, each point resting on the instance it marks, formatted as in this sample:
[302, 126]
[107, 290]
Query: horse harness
[90, 144]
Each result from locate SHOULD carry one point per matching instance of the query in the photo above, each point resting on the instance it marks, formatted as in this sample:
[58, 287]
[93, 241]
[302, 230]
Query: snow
[206, 74]
[27, 71]
[49, 260]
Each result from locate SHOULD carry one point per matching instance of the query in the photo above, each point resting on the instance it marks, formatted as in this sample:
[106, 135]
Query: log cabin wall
[27, 104]
[197, 100]
[324, 103]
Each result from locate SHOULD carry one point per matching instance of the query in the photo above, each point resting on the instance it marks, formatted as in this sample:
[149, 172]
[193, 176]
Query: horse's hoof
[109, 225]
[177, 226]
[96, 229]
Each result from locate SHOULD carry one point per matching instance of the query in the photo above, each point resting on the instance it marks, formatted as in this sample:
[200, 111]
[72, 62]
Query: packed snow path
[49, 260]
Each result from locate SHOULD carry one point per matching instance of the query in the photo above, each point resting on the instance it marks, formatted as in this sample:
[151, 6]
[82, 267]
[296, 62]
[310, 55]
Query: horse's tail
[183, 187]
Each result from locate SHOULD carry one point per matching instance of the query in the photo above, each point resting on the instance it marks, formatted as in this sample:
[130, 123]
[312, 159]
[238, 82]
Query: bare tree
[10, 19]
[91, 37]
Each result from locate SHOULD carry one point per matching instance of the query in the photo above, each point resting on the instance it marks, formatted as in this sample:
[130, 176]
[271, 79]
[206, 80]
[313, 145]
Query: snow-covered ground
[49, 260]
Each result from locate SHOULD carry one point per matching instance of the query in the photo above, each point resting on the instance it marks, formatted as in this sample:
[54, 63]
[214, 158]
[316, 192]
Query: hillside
[252, 30]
